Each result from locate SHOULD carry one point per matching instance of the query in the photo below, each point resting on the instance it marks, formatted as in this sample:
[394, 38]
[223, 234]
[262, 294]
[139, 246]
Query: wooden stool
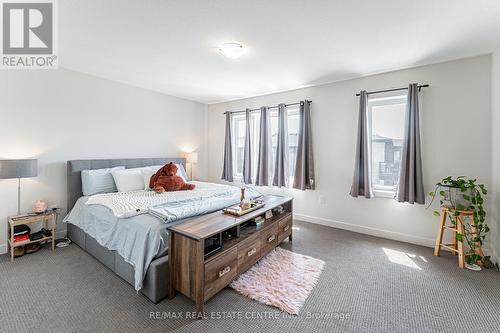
[457, 247]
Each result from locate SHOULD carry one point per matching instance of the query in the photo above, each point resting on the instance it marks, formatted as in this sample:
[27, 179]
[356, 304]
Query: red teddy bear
[166, 179]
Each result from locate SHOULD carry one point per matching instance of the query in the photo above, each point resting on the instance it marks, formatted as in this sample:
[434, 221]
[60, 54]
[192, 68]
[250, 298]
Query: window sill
[384, 194]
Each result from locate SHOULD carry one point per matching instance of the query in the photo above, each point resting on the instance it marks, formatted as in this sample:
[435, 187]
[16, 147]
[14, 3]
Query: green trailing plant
[461, 193]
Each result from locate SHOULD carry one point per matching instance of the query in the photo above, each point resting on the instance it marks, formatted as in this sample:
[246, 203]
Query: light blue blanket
[138, 239]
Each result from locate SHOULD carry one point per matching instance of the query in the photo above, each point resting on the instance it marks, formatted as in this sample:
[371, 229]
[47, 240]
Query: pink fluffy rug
[282, 279]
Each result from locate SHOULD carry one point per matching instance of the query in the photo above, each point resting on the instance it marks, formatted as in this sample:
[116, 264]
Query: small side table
[49, 218]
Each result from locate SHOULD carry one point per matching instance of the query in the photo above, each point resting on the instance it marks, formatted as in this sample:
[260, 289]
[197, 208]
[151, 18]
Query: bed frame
[155, 284]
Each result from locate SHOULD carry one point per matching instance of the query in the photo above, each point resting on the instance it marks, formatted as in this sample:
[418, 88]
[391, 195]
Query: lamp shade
[192, 157]
[18, 168]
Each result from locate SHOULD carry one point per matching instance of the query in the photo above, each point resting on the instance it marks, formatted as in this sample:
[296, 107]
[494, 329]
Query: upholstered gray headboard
[75, 168]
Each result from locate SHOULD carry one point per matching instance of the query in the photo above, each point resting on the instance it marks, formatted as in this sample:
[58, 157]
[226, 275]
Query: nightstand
[49, 218]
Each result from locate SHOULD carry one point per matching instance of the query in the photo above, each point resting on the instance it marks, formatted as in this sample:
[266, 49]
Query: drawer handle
[270, 239]
[286, 228]
[251, 252]
[224, 271]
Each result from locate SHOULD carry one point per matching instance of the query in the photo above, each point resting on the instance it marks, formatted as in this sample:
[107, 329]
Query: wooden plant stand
[457, 247]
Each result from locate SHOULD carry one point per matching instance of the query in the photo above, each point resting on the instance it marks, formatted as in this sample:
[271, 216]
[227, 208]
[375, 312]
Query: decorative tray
[238, 211]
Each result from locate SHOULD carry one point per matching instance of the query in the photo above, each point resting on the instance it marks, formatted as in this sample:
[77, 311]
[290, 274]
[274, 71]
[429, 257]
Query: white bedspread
[172, 206]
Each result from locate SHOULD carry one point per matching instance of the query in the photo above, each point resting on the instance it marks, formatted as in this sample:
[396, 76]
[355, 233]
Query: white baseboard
[330, 223]
[367, 230]
[59, 234]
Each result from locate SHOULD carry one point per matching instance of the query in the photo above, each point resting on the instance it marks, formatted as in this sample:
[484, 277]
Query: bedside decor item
[462, 202]
[40, 206]
[11, 169]
[192, 158]
[282, 279]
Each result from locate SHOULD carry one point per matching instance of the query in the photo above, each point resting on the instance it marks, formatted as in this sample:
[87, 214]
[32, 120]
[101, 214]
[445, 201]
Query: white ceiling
[170, 46]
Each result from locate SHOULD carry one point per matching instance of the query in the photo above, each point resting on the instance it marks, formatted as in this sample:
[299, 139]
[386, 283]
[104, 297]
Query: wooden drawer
[248, 254]
[220, 271]
[269, 239]
[285, 228]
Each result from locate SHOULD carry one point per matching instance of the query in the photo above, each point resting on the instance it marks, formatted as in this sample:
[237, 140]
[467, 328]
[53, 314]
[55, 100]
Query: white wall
[58, 115]
[495, 189]
[456, 134]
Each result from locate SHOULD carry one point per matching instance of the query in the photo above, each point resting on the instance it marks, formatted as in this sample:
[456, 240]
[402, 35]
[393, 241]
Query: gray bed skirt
[156, 281]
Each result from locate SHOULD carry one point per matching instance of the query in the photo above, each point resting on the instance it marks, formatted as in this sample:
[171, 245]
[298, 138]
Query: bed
[131, 242]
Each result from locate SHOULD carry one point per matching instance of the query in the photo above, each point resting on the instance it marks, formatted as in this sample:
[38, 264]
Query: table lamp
[192, 158]
[10, 169]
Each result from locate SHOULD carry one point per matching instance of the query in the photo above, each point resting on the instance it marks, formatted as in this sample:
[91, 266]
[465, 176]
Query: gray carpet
[360, 290]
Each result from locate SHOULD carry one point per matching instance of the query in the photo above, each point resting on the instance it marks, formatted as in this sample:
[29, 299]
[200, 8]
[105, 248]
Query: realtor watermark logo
[29, 34]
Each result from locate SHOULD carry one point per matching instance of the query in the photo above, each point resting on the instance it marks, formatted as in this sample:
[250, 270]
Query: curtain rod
[395, 89]
[271, 107]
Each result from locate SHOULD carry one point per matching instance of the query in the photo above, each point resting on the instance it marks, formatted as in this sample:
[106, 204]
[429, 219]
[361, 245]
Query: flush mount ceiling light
[232, 50]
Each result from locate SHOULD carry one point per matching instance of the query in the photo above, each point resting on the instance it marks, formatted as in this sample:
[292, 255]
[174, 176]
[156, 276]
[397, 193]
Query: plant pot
[454, 197]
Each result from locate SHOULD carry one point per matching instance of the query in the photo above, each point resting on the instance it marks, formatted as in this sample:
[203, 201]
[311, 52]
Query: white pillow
[182, 172]
[129, 179]
[146, 176]
[156, 167]
[99, 180]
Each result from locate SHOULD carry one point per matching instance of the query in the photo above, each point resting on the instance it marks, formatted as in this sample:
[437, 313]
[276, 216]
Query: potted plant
[461, 193]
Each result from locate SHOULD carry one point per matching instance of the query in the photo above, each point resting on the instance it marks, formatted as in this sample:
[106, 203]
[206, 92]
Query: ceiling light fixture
[232, 50]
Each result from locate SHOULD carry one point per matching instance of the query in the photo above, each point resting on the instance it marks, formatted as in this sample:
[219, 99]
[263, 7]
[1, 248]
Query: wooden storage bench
[200, 277]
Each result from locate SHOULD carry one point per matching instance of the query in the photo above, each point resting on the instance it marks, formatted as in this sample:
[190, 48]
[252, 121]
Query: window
[238, 141]
[387, 115]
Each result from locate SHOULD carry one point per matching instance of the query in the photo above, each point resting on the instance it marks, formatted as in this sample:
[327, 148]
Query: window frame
[254, 132]
[392, 98]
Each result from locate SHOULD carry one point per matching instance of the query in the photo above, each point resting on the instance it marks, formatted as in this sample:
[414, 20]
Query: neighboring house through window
[386, 115]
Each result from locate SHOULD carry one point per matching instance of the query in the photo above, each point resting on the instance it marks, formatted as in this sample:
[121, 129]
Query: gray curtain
[304, 166]
[227, 169]
[265, 148]
[362, 180]
[247, 156]
[411, 186]
[280, 177]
